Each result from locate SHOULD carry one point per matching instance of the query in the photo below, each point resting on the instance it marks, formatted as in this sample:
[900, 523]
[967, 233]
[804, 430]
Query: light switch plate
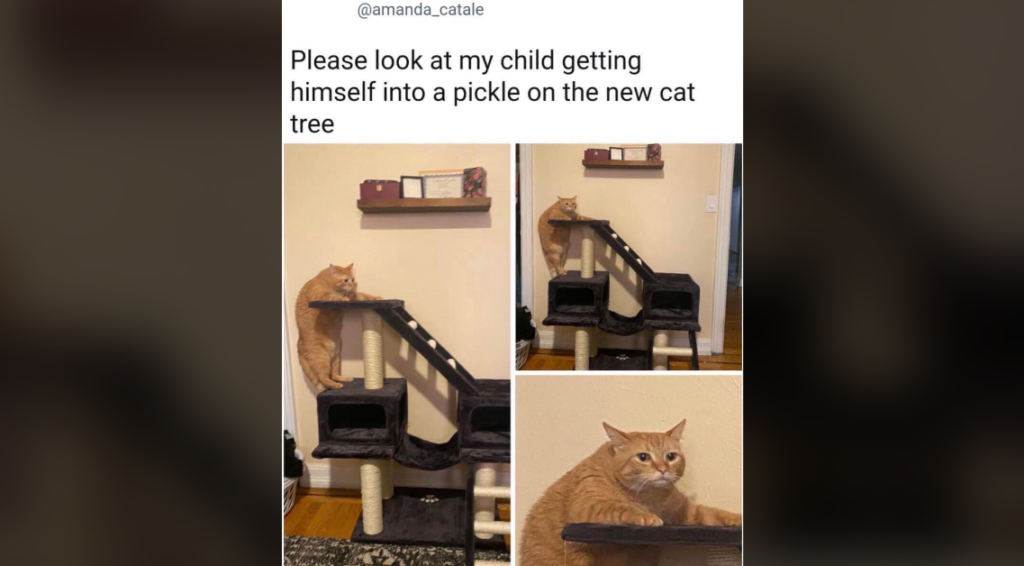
[712, 204]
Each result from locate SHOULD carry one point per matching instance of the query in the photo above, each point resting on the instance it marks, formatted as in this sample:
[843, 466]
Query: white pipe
[582, 349]
[587, 253]
[373, 353]
[660, 341]
[671, 351]
[492, 527]
[485, 477]
[498, 492]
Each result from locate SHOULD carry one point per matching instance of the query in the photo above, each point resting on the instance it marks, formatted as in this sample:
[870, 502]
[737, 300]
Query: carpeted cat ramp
[579, 299]
[367, 419]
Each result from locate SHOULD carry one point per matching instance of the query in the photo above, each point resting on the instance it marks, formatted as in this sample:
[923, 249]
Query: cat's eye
[643, 456]
[670, 456]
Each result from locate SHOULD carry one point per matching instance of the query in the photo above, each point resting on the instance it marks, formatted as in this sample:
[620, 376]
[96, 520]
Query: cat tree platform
[595, 533]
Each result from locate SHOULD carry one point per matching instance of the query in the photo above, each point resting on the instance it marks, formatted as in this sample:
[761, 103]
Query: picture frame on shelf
[412, 187]
[616, 153]
[474, 182]
[634, 153]
[442, 185]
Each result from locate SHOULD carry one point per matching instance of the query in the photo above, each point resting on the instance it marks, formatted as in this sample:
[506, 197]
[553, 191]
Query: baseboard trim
[344, 474]
[551, 339]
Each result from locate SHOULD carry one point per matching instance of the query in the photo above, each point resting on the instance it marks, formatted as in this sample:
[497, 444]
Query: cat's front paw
[645, 520]
[732, 519]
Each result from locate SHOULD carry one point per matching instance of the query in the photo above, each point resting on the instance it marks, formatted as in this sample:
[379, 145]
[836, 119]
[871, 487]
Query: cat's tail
[306, 368]
[552, 269]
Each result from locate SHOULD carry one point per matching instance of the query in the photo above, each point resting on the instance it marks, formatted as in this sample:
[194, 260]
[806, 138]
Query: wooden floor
[332, 513]
[731, 359]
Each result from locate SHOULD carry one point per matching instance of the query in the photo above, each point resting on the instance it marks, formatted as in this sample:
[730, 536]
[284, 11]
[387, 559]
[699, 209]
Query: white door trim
[287, 395]
[526, 216]
[722, 249]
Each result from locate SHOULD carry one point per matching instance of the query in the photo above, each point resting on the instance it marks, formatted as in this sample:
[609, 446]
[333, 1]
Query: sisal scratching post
[373, 473]
[582, 349]
[373, 504]
[587, 253]
[373, 352]
[486, 476]
[660, 341]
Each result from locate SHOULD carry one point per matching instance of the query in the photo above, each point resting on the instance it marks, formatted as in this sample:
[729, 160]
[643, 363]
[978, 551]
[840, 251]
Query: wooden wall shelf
[408, 205]
[619, 164]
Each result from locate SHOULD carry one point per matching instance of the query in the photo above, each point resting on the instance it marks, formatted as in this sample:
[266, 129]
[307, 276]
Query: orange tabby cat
[630, 480]
[554, 240]
[320, 330]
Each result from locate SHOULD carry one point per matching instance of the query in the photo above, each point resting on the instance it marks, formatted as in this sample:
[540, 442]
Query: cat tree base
[611, 359]
[410, 517]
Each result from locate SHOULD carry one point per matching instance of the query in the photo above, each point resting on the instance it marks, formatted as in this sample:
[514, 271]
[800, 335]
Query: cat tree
[722, 544]
[579, 299]
[367, 420]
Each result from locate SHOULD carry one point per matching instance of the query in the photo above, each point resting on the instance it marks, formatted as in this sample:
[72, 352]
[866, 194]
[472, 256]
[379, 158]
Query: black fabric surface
[422, 454]
[637, 535]
[620, 325]
[408, 520]
[609, 359]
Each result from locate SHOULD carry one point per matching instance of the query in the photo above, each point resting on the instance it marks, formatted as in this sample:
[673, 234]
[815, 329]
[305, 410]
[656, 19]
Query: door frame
[721, 289]
[526, 216]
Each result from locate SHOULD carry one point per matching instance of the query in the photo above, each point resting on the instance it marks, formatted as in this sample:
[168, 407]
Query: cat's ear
[676, 432]
[334, 269]
[349, 267]
[619, 439]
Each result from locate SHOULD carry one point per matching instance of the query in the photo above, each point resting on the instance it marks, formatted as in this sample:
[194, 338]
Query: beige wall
[552, 436]
[660, 213]
[452, 270]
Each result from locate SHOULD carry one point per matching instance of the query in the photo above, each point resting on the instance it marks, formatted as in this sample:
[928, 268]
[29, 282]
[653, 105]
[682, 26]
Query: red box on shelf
[377, 189]
[595, 154]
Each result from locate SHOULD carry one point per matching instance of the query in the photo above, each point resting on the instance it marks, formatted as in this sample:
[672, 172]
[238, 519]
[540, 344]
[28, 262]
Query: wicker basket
[291, 487]
[522, 352]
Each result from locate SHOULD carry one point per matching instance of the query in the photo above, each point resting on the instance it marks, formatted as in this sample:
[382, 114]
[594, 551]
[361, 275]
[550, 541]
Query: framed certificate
[442, 185]
[634, 153]
[412, 187]
[615, 153]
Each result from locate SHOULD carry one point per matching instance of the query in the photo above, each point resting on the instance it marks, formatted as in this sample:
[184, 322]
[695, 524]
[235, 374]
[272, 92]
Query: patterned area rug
[307, 551]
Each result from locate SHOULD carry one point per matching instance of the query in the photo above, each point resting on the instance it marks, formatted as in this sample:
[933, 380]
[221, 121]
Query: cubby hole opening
[490, 425]
[357, 421]
[672, 303]
[574, 300]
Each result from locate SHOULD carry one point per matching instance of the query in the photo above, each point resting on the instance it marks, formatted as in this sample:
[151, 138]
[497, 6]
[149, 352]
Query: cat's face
[567, 205]
[342, 279]
[647, 459]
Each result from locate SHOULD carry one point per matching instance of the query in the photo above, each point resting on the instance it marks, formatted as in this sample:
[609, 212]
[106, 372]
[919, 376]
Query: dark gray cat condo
[671, 301]
[367, 419]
